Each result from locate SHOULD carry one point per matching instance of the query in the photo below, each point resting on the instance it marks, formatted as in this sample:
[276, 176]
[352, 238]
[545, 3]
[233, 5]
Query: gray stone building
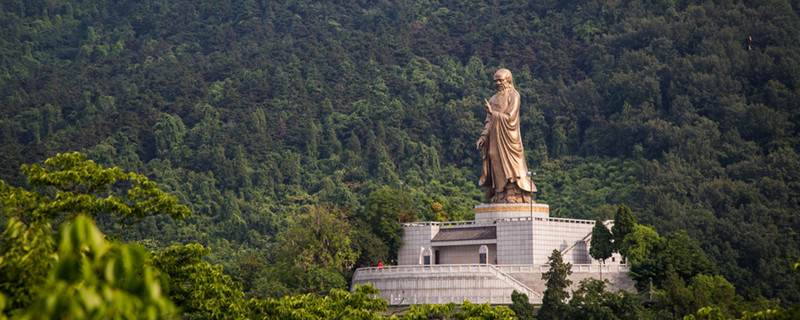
[483, 260]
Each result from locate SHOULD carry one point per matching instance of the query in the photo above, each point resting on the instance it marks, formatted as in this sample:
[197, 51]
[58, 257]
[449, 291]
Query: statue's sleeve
[510, 117]
[486, 125]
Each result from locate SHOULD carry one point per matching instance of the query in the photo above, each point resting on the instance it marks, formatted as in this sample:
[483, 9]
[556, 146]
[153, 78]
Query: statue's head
[503, 79]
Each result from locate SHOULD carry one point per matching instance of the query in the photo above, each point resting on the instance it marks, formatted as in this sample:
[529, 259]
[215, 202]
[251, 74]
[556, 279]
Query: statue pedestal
[489, 212]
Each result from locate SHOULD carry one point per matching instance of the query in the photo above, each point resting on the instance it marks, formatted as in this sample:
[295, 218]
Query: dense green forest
[265, 118]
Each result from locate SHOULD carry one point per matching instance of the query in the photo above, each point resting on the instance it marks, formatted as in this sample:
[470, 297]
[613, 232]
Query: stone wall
[559, 234]
[463, 254]
[531, 276]
[515, 242]
[416, 237]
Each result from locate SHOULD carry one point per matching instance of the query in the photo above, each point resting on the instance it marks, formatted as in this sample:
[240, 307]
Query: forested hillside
[268, 118]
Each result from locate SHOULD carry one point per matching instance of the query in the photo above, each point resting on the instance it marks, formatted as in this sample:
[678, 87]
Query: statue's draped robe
[503, 156]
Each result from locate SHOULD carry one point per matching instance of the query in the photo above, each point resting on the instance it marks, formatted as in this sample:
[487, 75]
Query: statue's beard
[502, 87]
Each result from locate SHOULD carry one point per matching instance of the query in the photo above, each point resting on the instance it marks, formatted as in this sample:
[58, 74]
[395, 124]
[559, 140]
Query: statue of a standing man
[504, 173]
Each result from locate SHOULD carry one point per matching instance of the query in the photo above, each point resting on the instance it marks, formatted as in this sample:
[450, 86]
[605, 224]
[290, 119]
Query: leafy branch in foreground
[79, 264]
[95, 278]
[84, 187]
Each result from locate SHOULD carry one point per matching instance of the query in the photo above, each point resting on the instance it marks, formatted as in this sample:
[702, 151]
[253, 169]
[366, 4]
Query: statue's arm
[485, 133]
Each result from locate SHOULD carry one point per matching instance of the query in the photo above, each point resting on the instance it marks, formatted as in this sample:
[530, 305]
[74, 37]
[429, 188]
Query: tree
[467, 310]
[624, 223]
[602, 247]
[715, 291]
[554, 304]
[384, 210]
[369, 247]
[315, 251]
[640, 244]
[522, 307]
[169, 134]
[429, 311]
[84, 187]
[78, 187]
[338, 304]
[683, 253]
[27, 249]
[714, 311]
[96, 278]
[675, 299]
[88, 276]
[677, 251]
[592, 301]
[198, 288]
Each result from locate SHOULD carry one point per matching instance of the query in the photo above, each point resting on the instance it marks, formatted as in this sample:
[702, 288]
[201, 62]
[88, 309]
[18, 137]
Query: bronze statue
[504, 173]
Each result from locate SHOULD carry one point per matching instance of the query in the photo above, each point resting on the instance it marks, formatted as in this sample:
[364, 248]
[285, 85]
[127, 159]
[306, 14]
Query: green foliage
[602, 246]
[722, 312]
[465, 311]
[483, 311]
[384, 211]
[678, 300]
[714, 291]
[370, 249]
[554, 305]
[641, 244]
[770, 314]
[81, 185]
[429, 311]
[685, 256]
[592, 301]
[706, 313]
[678, 253]
[338, 304]
[315, 251]
[80, 274]
[76, 187]
[27, 253]
[713, 297]
[94, 278]
[522, 307]
[624, 224]
[585, 188]
[199, 289]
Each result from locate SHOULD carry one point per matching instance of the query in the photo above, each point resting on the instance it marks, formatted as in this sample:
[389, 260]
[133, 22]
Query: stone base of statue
[495, 211]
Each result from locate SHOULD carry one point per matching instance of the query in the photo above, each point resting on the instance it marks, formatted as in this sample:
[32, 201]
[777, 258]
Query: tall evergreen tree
[624, 222]
[554, 303]
[602, 248]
